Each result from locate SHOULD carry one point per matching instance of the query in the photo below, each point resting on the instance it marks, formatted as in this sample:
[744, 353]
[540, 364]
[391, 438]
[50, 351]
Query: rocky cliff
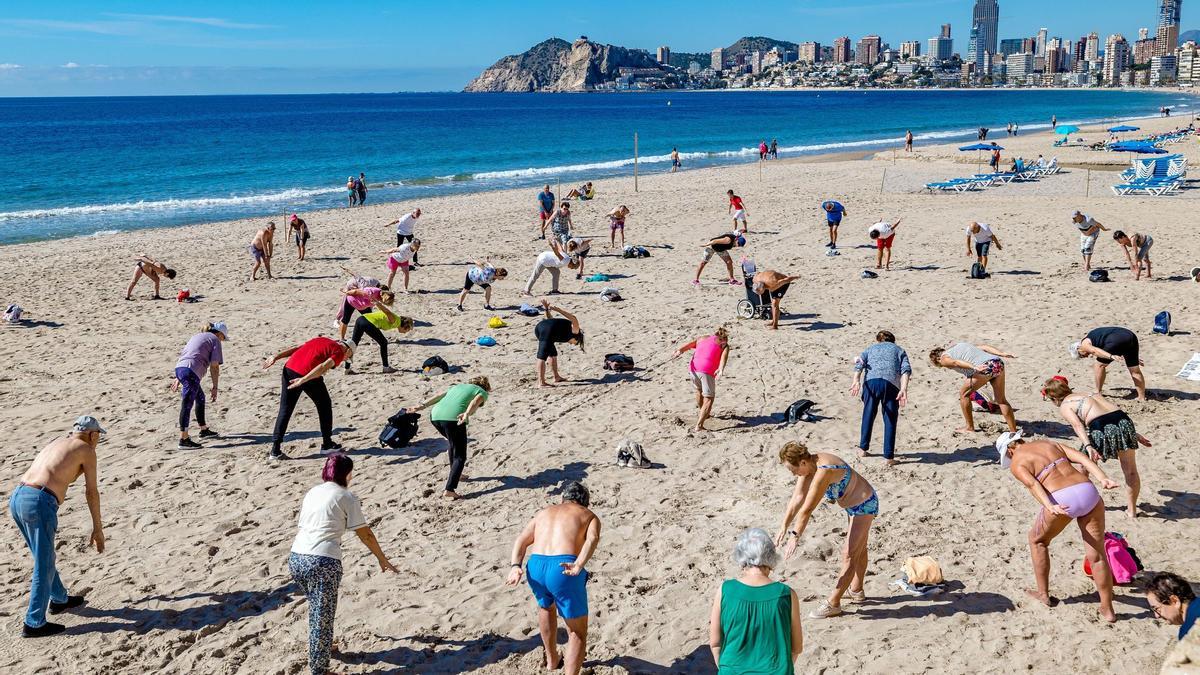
[556, 65]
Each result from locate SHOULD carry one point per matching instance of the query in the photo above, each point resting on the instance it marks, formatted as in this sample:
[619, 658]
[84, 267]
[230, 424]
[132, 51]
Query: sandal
[824, 611]
[734, 282]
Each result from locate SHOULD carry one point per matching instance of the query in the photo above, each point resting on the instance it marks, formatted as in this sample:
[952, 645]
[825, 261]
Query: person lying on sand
[979, 365]
[262, 249]
[707, 364]
[775, 283]
[720, 246]
[551, 331]
[1103, 429]
[151, 269]
[1047, 469]
[824, 476]
[560, 540]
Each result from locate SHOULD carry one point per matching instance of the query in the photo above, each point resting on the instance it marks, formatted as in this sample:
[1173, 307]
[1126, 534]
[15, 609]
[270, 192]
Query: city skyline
[71, 48]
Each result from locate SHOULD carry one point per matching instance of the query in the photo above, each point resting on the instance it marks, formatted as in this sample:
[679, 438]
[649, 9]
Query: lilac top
[201, 351]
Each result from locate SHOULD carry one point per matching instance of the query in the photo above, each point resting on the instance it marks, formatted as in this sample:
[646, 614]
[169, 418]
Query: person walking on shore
[546, 201]
[299, 231]
[834, 212]
[151, 269]
[776, 284]
[360, 186]
[763, 149]
[981, 235]
[774, 149]
[450, 414]
[738, 209]
[881, 375]
[352, 197]
[559, 541]
[1103, 429]
[1054, 121]
[34, 509]
[706, 366]
[262, 249]
[675, 163]
[405, 226]
[1140, 245]
[754, 625]
[551, 331]
[1047, 470]
[303, 373]
[825, 475]
[482, 274]
[329, 509]
[1089, 230]
[978, 365]
[908, 141]
[1107, 344]
[616, 222]
[720, 246]
[202, 353]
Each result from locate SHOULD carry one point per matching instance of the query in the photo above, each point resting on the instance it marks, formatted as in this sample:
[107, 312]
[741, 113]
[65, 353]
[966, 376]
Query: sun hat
[1006, 439]
[221, 328]
[1073, 350]
[87, 423]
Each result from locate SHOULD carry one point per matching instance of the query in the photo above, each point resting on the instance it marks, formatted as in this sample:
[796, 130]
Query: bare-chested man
[775, 283]
[34, 507]
[151, 269]
[561, 539]
[262, 249]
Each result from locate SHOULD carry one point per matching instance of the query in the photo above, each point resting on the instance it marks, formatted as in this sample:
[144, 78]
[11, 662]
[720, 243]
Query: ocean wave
[293, 194]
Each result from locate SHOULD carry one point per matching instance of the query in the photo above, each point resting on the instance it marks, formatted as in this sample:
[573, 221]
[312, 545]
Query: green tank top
[756, 622]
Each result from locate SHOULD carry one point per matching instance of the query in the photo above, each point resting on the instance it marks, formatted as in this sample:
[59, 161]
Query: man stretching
[981, 235]
[833, 218]
[262, 248]
[560, 540]
[775, 283]
[34, 508]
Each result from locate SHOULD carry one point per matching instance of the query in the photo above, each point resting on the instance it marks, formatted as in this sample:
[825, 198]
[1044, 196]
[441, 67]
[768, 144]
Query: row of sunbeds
[1023, 173]
[1154, 177]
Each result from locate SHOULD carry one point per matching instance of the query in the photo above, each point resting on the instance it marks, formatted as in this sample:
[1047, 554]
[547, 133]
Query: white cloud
[9, 66]
[214, 22]
[70, 64]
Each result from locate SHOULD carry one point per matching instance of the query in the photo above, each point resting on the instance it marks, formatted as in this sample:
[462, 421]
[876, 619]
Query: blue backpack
[1162, 323]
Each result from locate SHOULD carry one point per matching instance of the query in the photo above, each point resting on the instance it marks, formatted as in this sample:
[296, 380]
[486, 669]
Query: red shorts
[884, 243]
[543, 215]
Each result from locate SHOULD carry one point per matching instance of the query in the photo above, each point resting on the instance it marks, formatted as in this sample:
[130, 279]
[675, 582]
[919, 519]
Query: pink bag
[1121, 560]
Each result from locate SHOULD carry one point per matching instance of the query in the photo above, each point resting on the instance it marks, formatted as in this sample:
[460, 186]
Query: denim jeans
[876, 393]
[36, 515]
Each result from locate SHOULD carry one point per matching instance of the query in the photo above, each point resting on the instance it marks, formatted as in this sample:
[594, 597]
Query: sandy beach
[195, 576]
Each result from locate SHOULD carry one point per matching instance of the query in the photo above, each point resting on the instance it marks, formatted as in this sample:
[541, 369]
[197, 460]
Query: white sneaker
[824, 611]
[854, 598]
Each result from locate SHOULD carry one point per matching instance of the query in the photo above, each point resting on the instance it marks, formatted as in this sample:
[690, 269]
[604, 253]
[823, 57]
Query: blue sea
[88, 166]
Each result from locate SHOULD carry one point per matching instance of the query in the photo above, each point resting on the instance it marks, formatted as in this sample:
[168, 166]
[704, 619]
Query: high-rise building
[718, 59]
[664, 55]
[841, 50]
[1116, 55]
[945, 31]
[810, 52]
[1168, 27]
[940, 49]
[756, 62]
[1163, 69]
[1080, 50]
[1187, 63]
[984, 29]
[1019, 66]
[1041, 42]
[1010, 47]
[910, 49]
[868, 50]
[1092, 51]
[1144, 48]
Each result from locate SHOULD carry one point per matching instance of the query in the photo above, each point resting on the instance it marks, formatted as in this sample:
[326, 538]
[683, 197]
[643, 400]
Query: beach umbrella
[1122, 129]
[1066, 129]
[1140, 147]
[978, 147]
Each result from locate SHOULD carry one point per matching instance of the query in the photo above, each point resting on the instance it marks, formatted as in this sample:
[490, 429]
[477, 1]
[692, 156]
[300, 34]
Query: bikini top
[835, 491]
[1046, 469]
[1079, 406]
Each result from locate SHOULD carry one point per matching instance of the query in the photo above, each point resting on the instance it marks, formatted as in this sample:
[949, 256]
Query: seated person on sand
[978, 365]
[775, 283]
[583, 192]
[151, 269]
[1065, 493]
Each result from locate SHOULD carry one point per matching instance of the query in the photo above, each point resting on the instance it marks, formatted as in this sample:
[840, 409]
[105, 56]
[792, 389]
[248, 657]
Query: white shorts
[1087, 243]
[740, 214]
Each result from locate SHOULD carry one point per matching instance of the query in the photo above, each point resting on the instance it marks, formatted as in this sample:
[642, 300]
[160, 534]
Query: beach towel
[1191, 369]
[598, 277]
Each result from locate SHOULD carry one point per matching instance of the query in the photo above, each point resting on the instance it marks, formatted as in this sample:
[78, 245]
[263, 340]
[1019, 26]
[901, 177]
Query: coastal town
[1162, 57]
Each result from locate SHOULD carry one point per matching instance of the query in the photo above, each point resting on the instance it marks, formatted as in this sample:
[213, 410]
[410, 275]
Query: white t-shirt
[405, 253]
[548, 259]
[883, 228]
[327, 512]
[405, 224]
[983, 236]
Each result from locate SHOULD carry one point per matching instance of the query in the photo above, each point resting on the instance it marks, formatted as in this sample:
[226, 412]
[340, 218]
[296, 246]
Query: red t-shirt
[736, 202]
[313, 353]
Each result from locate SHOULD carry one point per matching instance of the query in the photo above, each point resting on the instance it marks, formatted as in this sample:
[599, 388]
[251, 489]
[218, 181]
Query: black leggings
[401, 238]
[348, 311]
[288, 398]
[363, 326]
[457, 435]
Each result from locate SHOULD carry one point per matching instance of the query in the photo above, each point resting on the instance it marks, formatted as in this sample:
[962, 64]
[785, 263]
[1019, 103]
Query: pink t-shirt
[707, 357]
[367, 300]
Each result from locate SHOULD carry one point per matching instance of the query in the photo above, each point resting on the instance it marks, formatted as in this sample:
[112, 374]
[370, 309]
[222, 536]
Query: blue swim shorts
[551, 587]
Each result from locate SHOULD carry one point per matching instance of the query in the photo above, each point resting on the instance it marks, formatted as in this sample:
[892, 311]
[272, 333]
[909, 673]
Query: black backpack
[978, 271]
[1098, 275]
[400, 429]
[618, 362]
[435, 362]
[800, 411]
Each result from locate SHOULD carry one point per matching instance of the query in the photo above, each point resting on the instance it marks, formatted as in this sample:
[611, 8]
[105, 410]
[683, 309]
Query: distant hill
[558, 65]
[746, 45]
[1189, 36]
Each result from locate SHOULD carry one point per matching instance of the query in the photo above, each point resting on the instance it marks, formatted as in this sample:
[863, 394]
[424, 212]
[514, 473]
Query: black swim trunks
[781, 291]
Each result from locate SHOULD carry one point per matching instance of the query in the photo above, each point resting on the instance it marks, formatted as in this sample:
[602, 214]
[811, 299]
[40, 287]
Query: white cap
[1073, 350]
[1002, 444]
[348, 345]
[221, 328]
[87, 423]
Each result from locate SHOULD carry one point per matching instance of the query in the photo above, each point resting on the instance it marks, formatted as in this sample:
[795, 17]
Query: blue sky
[71, 47]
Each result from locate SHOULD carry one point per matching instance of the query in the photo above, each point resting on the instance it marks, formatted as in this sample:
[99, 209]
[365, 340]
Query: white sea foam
[294, 194]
